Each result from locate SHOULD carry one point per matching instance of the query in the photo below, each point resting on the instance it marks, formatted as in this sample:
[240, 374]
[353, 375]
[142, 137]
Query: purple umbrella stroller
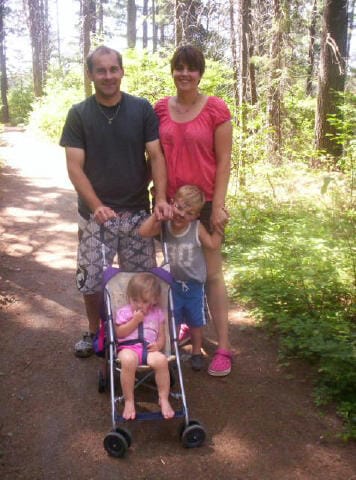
[119, 439]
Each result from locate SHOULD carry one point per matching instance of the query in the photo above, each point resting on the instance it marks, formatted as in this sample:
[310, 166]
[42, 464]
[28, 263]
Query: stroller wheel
[115, 444]
[192, 435]
[125, 433]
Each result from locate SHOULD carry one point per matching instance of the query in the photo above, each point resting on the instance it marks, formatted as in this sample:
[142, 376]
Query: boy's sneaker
[197, 362]
[184, 335]
[84, 348]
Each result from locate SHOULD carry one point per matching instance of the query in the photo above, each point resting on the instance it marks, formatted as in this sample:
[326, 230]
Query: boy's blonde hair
[192, 196]
[145, 286]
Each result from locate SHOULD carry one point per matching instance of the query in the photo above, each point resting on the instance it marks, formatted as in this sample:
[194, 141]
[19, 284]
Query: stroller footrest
[151, 416]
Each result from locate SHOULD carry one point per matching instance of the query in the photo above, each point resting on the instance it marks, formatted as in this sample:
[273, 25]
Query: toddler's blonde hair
[192, 196]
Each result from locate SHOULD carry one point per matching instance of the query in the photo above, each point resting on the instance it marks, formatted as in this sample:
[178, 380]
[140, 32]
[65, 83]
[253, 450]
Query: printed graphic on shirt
[181, 254]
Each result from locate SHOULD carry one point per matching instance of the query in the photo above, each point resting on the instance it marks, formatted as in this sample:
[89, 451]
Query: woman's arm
[159, 177]
[223, 147]
[210, 241]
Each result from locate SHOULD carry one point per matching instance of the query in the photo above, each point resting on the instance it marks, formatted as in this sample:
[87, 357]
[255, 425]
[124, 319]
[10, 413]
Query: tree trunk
[4, 117]
[178, 22]
[144, 24]
[131, 23]
[274, 92]
[311, 52]
[251, 65]
[244, 60]
[234, 51]
[155, 27]
[245, 6]
[332, 75]
[88, 8]
[39, 33]
[100, 17]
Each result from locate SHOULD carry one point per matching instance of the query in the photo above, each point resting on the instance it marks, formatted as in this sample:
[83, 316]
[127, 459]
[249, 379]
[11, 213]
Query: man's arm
[159, 176]
[75, 166]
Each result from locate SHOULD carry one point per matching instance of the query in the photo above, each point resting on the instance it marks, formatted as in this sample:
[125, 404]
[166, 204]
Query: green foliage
[20, 99]
[49, 112]
[147, 75]
[290, 254]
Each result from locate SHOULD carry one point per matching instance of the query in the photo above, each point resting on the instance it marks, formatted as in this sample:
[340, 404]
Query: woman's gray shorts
[120, 236]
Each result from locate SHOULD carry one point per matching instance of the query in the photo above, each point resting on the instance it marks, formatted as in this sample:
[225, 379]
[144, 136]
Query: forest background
[284, 67]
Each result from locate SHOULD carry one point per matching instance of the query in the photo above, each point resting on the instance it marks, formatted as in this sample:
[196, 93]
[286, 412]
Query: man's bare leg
[92, 306]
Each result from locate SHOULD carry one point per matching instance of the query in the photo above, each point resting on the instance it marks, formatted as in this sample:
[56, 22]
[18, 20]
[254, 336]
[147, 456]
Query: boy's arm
[211, 241]
[150, 227]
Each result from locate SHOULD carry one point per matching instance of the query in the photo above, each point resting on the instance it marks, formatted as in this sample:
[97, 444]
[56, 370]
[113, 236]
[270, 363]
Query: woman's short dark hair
[102, 50]
[190, 56]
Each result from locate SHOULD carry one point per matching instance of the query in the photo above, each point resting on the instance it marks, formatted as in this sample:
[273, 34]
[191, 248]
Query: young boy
[185, 236]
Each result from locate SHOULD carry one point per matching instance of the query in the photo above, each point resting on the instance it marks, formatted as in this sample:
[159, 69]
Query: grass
[290, 258]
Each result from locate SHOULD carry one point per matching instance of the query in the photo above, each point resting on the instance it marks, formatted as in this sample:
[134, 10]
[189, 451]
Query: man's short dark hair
[102, 50]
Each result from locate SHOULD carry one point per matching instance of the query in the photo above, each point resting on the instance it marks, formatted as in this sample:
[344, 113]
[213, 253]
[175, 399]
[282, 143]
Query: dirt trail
[260, 420]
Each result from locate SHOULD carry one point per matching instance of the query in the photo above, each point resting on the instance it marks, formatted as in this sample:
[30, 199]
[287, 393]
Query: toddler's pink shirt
[151, 323]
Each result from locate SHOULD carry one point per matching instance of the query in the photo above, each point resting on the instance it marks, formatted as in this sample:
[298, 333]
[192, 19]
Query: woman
[196, 136]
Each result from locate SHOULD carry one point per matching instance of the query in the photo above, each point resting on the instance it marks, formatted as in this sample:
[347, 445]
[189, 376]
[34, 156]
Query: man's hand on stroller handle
[102, 214]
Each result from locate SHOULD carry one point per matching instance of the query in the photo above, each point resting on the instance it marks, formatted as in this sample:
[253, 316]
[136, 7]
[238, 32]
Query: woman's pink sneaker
[221, 363]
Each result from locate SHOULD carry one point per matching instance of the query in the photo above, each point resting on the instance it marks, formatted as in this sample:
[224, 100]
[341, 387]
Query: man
[105, 139]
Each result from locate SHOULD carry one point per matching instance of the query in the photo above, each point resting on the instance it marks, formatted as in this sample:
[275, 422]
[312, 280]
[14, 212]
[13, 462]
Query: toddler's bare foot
[129, 412]
[166, 409]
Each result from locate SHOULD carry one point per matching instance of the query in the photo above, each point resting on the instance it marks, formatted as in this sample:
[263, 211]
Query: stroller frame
[192, 434]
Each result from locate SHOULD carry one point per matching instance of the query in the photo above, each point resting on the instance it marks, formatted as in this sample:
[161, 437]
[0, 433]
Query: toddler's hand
[138, 316]
[152, 347]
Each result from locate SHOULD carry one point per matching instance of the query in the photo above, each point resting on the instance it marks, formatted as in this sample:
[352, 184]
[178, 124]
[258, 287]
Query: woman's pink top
[189, 146]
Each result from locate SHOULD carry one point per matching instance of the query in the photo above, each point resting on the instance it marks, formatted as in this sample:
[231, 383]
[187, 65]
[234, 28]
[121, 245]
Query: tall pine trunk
[332, 76]
[274, 93]
[88, 9]
[311, 52]
[4, 116]
[131, 23]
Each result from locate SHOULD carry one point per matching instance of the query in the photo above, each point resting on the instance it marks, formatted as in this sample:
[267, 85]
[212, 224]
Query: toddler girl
[140, 334]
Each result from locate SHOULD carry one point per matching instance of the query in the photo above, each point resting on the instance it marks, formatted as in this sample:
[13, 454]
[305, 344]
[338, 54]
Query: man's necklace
[109, 119]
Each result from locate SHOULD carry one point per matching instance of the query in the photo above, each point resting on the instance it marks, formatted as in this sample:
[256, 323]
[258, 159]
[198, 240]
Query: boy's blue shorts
[189, 303]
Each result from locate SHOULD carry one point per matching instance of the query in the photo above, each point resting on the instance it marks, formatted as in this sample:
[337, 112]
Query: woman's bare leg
[217, 297]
